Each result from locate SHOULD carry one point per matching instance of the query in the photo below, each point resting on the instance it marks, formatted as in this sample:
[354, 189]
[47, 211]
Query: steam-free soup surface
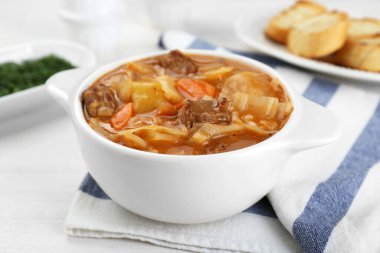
[186, 105]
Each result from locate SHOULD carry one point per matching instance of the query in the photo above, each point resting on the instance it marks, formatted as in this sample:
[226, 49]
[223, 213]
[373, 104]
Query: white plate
[250, 29]
[23, 101]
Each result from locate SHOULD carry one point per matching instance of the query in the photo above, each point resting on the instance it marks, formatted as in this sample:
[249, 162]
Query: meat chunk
[99, 101]
[178, 63]
[202, 111]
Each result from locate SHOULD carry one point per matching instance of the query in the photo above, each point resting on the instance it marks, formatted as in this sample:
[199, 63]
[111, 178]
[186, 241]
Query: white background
[40, 163]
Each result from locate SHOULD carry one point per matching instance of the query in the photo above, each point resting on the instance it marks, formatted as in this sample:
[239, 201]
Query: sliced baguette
[280, 25]
[361, 54]
[361, 28]
[319, 36]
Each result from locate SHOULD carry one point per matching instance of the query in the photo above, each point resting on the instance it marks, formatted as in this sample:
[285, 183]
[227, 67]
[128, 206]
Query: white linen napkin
[327, 199]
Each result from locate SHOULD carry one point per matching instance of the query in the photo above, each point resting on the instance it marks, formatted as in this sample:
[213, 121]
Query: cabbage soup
[186, 104]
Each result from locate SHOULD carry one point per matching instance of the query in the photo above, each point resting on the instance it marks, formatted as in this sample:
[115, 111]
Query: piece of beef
[177, 62]
[99, 101]
[201, 111]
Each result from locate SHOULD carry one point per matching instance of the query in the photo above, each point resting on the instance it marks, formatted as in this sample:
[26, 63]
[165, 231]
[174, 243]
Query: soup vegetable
[186, 105]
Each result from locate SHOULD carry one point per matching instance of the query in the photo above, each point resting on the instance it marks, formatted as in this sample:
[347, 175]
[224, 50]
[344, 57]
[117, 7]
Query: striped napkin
[327, 199]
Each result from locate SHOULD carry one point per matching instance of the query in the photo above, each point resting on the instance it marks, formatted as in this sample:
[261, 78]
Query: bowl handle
[61, 85]
[316, 126]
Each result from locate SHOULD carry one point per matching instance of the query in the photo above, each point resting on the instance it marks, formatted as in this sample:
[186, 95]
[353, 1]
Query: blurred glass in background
[94, 23]
[168, 14]
[101, 24]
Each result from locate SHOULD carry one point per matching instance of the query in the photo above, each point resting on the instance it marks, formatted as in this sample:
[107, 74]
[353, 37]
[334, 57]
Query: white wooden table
[40, 163]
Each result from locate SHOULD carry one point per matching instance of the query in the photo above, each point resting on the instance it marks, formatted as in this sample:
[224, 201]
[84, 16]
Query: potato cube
[146, 96]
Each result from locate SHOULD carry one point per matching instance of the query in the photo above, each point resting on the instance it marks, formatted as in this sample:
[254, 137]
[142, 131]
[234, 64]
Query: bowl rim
[277, 140]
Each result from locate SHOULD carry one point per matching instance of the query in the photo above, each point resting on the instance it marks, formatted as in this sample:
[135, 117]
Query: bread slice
[361, 54]
[319, 36]
[361, 28]
[280, 25]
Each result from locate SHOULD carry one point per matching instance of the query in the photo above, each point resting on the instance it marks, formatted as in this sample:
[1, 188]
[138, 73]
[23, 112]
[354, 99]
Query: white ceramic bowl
[191, 189]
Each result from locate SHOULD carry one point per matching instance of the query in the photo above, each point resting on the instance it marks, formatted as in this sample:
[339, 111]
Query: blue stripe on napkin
[201, 44]
[320, 91]
[273, 62]
[161, 43]
[333, 197]
[90, 187]
[263, 207]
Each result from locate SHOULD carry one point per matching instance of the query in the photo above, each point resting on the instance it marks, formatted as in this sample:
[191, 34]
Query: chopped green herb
[16, 77]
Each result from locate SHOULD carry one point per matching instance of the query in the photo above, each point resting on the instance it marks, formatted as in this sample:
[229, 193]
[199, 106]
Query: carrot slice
[122, 116]
[180, 104]
[210, 89]
[196, 88]
[166, 109]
